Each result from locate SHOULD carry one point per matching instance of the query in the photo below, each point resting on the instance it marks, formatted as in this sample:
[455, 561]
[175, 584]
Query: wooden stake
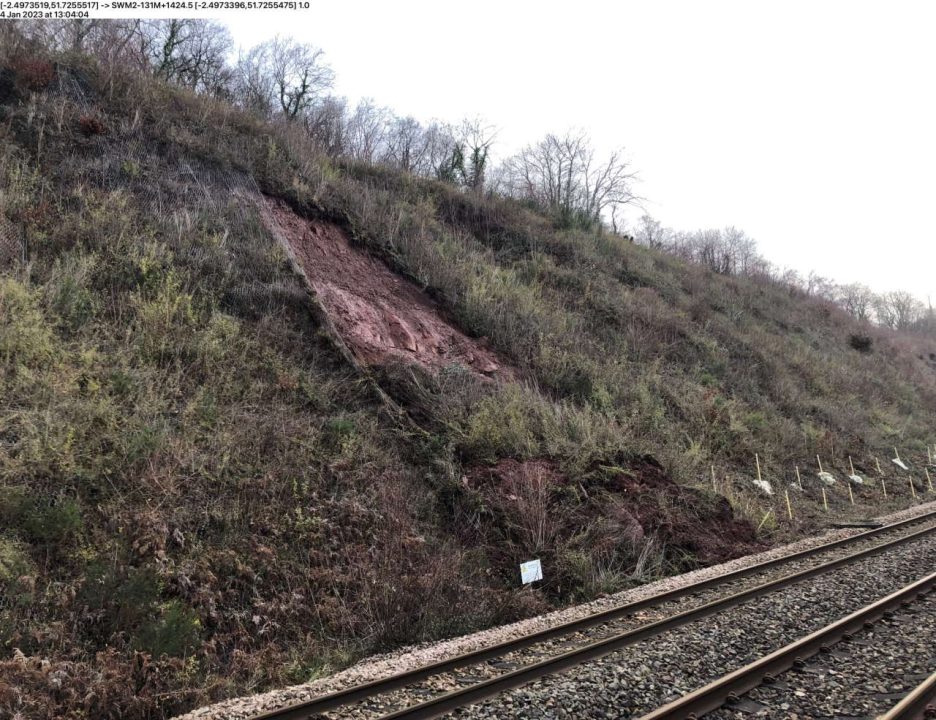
[851, 465]
[884, 485]
[798, 478]
[714, 484]
[764, 519]
[818, 460]
[878, 463]
[896, 454]
[929, 480]
[912, 489]
[825, 500]
[757, 460]
[851, 497]
[789, 507]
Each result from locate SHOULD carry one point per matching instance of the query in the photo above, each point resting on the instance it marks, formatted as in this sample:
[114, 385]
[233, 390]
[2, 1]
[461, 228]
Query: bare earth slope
[381, 316]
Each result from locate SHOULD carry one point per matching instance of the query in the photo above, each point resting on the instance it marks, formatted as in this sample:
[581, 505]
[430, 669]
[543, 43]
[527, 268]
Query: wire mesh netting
[12, 243]
[210, 215]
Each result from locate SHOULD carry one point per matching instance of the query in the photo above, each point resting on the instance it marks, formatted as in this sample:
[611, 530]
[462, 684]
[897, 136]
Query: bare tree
[422, 150]
[926, 325]
[367, 131]
[707, 247]
[791, 279]
[300, 74]
[73, 35]
[650, 232]
[476, 138]
[607, 184]
[406, 143]
[283, 75]
[326, 123]
[742, 253]
[161, 42]
[819, 286]
[729, 251]
[439, 141]
[546, 172]
[562, 174]
[116, 44]
[112, 43]
[898, 310]
[254, 87]
[857, 300]
[190, 52]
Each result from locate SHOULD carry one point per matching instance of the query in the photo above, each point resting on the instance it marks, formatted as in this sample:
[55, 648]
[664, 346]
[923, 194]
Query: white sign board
[899, 463]
[531, 571]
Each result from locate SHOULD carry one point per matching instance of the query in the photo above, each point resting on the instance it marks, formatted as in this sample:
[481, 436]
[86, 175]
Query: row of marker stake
[828, 479]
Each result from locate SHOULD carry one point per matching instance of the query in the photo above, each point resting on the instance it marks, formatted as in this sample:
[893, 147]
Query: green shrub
[120, 598]
[73, 300]
[861, 343]
[14, 562]
[501, 425]
[17, 575]
[39, 519]
[176, 632]
[165, 319]
[340, 433]
[26, 339]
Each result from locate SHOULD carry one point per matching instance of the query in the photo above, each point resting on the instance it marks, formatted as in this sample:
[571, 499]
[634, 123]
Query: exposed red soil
[381, 316]
[638, 501]
[684, 517]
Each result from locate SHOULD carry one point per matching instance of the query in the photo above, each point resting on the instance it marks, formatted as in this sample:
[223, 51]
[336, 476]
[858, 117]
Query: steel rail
[357, 693]
[717, 693]
[448, 702]
[920, 703]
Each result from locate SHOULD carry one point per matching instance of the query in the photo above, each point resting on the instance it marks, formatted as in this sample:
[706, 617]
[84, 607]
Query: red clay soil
[684, 518]
[640, 500]
[379, 315]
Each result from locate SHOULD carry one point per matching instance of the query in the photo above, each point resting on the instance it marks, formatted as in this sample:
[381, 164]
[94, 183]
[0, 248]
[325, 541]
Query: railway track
[919, 703]
[453, 683]
[729, 688]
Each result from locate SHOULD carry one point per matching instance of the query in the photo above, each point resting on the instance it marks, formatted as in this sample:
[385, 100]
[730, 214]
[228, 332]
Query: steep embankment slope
[212, 481]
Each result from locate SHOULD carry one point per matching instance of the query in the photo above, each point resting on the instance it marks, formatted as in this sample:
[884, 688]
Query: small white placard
[899, 463]
[531, 571]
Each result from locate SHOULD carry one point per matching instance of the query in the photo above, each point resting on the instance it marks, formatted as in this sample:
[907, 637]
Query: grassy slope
[189, 469]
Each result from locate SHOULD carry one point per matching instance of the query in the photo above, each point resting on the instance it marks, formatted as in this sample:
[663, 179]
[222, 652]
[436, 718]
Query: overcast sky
[810, 125]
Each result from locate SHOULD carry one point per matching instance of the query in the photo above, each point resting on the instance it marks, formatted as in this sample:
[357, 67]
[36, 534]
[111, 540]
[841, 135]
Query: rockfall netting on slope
[375, 315]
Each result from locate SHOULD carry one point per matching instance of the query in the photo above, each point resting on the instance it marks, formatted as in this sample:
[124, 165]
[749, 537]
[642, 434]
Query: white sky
[811, 125]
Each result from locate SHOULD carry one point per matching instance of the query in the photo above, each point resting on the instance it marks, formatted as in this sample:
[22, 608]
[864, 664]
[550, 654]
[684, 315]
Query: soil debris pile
[625, 508]
[689, 520]
[379, 315]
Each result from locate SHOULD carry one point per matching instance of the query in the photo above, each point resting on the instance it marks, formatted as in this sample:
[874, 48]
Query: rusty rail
[920, 703]
[717, 693]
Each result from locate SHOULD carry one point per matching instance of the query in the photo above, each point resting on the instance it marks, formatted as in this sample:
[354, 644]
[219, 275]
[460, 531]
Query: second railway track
[441, 687]
[857, 663]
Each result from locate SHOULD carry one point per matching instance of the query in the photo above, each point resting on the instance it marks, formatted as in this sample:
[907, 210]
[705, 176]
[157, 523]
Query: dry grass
[200, 497]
